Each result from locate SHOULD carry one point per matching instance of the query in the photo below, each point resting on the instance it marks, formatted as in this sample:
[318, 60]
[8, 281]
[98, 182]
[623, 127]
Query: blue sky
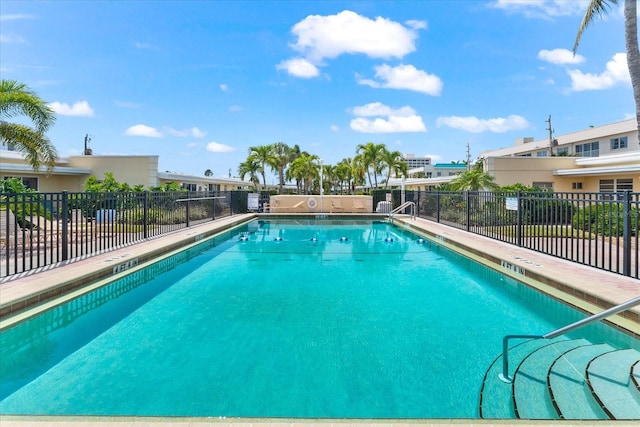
[199, 82]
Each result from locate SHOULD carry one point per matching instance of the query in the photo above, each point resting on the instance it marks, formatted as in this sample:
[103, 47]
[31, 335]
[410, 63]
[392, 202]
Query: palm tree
[250, 167]
[306, 169]
[282, 154]
[264, 156]
[393, 161]
[208, 172]
[370, 155]
[16, 99]
[598, 8]
[475, 179]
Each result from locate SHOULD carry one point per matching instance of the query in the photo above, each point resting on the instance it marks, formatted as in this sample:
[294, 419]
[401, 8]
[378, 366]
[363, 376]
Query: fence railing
[41, 229]
[596, 229]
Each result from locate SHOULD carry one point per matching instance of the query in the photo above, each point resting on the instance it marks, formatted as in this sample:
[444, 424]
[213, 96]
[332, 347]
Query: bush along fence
[595, 229]
[41, 229]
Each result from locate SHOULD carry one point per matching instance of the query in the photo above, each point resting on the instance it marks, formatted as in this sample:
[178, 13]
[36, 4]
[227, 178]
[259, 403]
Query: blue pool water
[287, 318]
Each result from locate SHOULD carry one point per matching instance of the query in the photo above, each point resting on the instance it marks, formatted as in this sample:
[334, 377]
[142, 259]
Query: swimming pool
[283, 318]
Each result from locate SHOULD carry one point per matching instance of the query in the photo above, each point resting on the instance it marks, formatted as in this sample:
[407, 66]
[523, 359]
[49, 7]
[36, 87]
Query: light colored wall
[526, 170]
[134, 170]
[331, 204]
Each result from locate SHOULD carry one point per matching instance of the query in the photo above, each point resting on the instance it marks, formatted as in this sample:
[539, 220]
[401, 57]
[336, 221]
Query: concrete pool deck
[585, 287]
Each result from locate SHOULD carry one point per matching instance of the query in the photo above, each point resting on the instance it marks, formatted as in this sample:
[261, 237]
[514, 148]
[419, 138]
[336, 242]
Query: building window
[30, 183]
[544, 185]
[562, 151]
[590, 149]
[189, 187]
[429, 174]
[524, 155]
[615, 186]
[618, 143]
[576, 185]
[542, 154]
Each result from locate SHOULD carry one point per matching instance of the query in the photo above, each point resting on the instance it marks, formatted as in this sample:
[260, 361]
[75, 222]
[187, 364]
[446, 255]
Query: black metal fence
[596, 229]
[41, 229]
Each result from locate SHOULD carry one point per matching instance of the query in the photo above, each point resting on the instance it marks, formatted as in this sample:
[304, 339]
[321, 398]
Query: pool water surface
[283, 318]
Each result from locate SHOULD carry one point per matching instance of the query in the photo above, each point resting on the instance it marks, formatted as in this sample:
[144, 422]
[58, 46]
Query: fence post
[519, 220]
[438, 206]
[468, 209]
[145, 215]
[65, 225]
[626, 234]
[187, 208]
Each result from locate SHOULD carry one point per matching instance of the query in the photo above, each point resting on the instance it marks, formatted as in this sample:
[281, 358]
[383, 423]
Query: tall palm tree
[264, 156]
[475, 179]
[393, 161]
[250, 167]
[282, 156]
[344, 174]
[599, 8]
[370, 155]
[16, 99]
[306, 169]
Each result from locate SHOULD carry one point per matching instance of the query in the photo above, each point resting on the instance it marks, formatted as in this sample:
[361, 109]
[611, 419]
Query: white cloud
[80, 108]
[325, 37]
[216, 147]
[141, 45]
[224, 87]
[15, 16]
[542, 8]
[476, 125]
[334, 128]
[616, 72]
[299, 67]
[11, 39]
[194, 132]
[560, 56]
[143, 130]
[405, 77]
[387, 120]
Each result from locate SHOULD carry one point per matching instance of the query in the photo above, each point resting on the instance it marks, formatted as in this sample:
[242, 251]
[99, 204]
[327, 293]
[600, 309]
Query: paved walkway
[582, 286]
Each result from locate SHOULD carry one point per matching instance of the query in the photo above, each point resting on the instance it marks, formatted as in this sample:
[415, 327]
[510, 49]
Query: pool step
[567, 385]
[496, 396]
[531, 397]
[564, 379]
[609, 379]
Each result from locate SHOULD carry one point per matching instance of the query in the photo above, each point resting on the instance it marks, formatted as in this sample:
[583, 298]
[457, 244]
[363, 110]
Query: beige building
[599, 159]
[70, 173]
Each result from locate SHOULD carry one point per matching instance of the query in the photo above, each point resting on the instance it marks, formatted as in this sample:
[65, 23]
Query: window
[562, 151]
[576, 185]
[524, 155]
[189, 187]
[544, 185]
[429, 174]
[31, 183]
[615, 186]
[542, 154]
[618, 143]
[590, 149]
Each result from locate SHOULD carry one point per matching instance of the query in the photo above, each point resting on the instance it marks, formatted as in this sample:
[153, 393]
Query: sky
[199, 82]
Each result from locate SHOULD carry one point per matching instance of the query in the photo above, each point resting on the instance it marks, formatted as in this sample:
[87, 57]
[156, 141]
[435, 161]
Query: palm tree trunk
[633, 55]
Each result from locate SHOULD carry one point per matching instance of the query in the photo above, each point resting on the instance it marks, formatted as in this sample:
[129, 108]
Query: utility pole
[550, 129]
[468, 157]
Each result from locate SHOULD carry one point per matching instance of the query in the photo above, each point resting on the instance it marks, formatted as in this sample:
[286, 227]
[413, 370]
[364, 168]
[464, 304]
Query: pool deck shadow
[587, 288]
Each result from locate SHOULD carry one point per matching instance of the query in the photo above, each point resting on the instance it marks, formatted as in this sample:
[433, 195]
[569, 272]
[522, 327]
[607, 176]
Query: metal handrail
[504, 376]
[403, 207]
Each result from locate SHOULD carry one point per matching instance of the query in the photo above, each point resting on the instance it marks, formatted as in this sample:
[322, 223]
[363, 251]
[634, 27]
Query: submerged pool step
[567, 384]
[531, 396]
[496, 396]
[609, 379]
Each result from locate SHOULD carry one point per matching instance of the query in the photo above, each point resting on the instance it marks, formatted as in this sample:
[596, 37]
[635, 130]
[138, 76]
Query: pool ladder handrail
[504, 376]
[402, 207]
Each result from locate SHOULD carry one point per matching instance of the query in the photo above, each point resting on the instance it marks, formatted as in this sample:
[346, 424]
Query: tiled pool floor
[582, 286]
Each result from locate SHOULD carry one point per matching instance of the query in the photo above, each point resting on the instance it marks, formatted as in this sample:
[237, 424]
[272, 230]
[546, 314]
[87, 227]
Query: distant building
[414, 162]
[70, 173]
